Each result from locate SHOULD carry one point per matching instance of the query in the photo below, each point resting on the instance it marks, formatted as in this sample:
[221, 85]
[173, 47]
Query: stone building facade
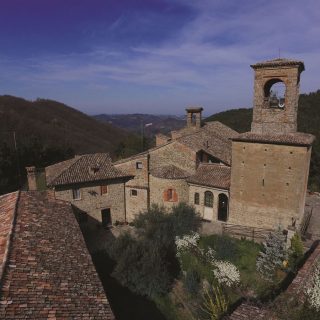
[92, 185]
[270, 164]
[256, 179]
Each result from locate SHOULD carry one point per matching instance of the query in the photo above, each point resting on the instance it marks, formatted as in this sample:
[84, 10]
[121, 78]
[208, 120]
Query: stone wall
[136, 203]
[131, 166]
[159, 186]
[200, 208]
[276, 120]
[92, 201]
[268, 184]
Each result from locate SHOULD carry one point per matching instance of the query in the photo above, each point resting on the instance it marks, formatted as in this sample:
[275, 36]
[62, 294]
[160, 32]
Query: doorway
[106, 217]
[223, 207]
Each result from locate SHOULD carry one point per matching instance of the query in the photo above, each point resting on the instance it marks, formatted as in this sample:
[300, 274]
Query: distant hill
[308, 121]
[47, 132]
[57, 124]
[133, 122]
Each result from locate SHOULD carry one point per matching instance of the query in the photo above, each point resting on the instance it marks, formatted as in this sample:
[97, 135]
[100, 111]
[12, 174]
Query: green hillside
[308, 121]
[48, 131]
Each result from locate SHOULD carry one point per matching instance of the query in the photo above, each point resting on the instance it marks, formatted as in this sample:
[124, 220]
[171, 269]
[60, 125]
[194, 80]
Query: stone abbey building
[256, 179]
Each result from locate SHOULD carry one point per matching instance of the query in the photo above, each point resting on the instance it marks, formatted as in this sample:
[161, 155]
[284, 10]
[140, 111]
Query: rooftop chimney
[194, 117]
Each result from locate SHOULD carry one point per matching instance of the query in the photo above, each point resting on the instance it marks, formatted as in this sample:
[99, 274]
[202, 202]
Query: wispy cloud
[206, 61]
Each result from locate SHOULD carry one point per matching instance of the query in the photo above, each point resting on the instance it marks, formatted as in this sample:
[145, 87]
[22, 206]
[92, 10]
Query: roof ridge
[67, 168]
[9, 235]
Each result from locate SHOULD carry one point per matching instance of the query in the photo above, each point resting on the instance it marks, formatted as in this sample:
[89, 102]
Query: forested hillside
[308, 121]
[43, 132]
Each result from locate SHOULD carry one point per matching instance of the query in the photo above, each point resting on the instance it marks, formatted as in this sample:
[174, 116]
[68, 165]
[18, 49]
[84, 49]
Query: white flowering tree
[313, 291]
[273, 255]
[224, 272]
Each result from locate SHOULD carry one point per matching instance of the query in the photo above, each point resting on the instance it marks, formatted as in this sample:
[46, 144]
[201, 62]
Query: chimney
[32, 178]
[194, 117]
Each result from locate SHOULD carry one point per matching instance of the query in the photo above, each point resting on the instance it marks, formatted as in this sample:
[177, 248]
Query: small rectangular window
[196, 198]
[170, 194]
[133, 192]
[104, 189]
[139, 165]
[76, 194]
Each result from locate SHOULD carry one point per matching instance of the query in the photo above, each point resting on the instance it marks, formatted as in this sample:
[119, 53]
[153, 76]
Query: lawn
[185, 295]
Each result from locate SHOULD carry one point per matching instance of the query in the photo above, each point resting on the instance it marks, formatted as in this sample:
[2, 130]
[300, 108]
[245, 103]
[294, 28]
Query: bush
[140, 266]
[273, 255]
[296, 251]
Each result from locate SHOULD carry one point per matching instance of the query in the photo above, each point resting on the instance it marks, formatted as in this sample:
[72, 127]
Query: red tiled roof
[49, 273]
[85, 168]
[170, 172]
[213, 138]
[212, 175]
[298, 138]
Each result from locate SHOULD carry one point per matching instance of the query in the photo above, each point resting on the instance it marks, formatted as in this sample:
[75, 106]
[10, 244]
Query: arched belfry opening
[276, 94]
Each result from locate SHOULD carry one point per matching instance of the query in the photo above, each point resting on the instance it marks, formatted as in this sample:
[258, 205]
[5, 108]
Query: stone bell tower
[270, 164]
[272, 114]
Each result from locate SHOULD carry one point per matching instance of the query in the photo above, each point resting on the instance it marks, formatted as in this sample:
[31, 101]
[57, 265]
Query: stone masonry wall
[158, 186]
[268, 184]
[92, 201]
[136, 203]
[276, 120]
[200, 207]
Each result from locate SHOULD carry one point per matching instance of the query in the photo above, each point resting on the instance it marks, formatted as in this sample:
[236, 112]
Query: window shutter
[175, 196]
[165, 195]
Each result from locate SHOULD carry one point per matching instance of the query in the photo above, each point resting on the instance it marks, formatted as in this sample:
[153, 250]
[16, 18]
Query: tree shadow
[125, 304]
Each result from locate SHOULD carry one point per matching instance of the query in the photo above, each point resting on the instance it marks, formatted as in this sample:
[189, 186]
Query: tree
[273, 255]
[147, 263]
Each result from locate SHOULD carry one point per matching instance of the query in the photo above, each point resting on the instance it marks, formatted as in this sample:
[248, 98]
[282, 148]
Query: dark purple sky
[151, 56]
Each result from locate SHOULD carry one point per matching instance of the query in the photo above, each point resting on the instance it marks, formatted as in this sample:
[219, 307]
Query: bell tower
[276, 94]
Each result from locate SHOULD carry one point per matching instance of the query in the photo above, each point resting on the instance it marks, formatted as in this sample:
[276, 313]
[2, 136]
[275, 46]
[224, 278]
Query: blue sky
[151, 56]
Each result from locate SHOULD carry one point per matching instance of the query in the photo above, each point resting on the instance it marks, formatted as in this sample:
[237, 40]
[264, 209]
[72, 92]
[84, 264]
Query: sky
[151, 56]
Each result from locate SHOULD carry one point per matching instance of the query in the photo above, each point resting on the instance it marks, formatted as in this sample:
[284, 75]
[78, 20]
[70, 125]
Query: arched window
[196, 198]
[208, 199]
[223, 207]
[275, 93]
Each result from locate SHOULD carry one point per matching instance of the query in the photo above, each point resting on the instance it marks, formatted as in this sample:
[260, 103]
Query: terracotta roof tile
[85, 168]
[213, 139]
[49, 273]
[298, 138]
[170, 172]
[212, 175]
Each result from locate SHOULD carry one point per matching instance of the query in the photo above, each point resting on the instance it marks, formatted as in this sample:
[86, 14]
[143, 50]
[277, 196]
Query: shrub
[140, 266]
[296, 251]
[273, 255]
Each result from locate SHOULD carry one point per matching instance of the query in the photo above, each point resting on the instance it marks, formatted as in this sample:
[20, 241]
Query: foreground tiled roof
[49, 273]
[281, 62]
[298, 138]
[170, 172]
[7, 213]
[85, 168]
[212, 175]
